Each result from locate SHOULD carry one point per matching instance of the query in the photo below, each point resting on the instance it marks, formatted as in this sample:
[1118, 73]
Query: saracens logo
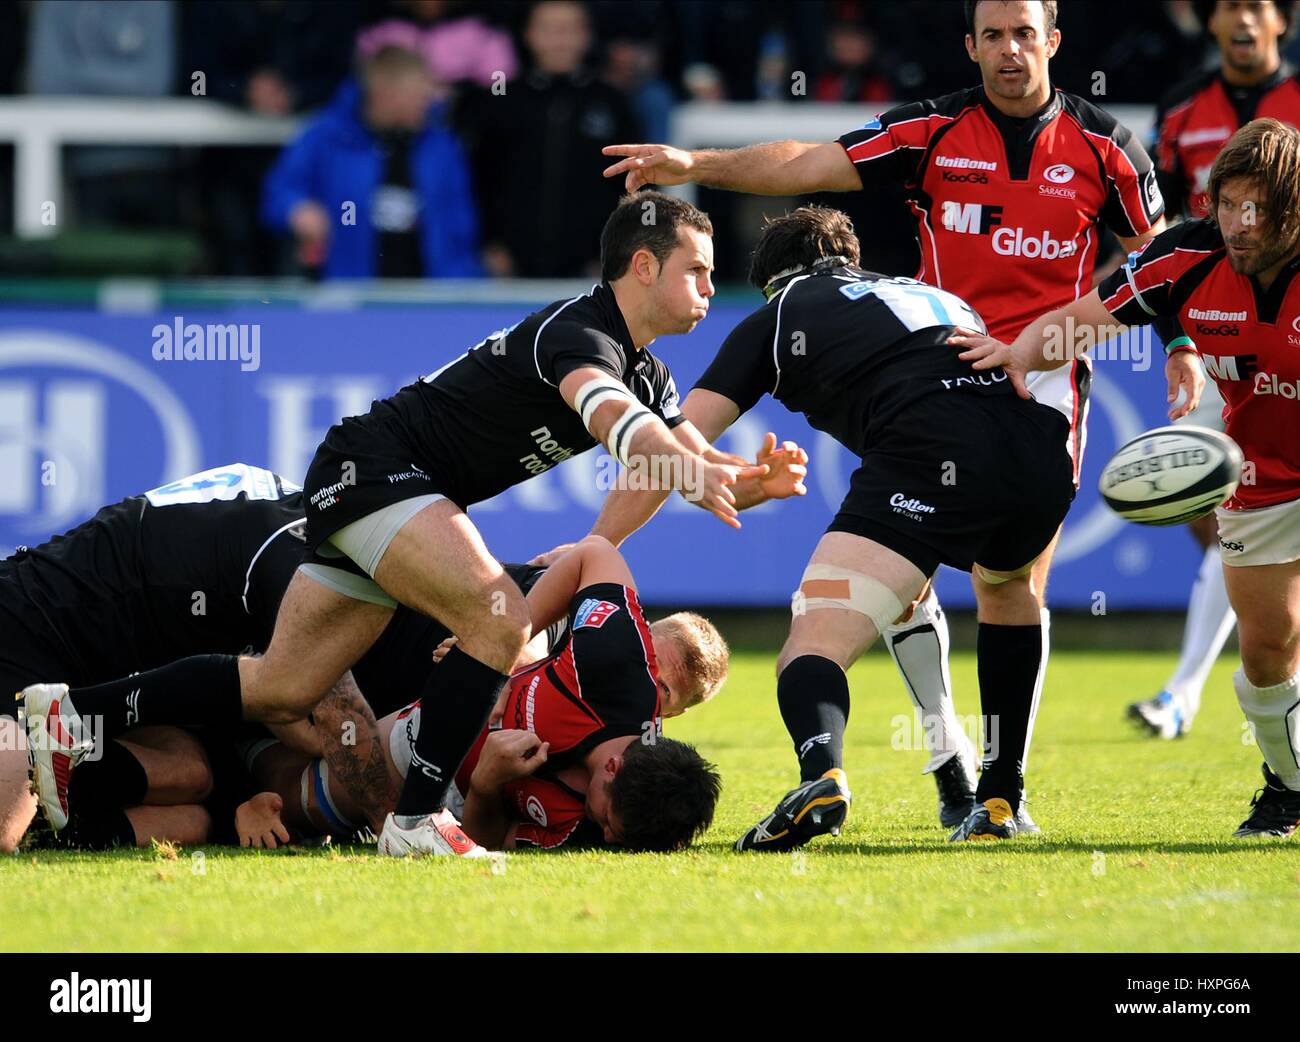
[535, 810]
[1059, 174]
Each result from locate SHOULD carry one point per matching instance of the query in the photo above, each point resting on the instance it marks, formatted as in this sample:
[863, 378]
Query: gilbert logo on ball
[1171, 475]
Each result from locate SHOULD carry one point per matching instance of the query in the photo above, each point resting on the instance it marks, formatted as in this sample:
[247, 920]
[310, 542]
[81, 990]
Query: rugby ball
[1171, 475]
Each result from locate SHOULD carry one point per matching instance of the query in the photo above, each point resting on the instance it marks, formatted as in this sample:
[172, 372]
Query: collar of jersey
[781, 279]
[603, 293]
[1280, 75]
[1028, 123]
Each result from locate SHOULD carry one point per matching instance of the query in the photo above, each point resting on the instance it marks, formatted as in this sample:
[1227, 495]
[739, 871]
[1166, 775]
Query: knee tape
[832, 586]
[998, 578]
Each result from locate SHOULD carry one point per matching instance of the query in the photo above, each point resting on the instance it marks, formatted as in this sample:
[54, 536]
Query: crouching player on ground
[582, 759]
[1240, 262]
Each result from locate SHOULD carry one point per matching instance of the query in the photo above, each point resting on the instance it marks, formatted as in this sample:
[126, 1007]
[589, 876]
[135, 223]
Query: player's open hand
[1185, 375]
[711, 488]
[507, 756]
[984, 352]
[787, 466]
[551, 556]
[258, 823]
[649, 165]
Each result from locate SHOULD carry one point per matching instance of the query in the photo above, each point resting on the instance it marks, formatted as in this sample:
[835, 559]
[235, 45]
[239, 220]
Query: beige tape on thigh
[998, 578]
[831, 586]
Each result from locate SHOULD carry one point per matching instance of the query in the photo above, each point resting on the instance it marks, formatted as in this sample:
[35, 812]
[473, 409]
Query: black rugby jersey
[849, 349]
[196, 566]
[494, 416]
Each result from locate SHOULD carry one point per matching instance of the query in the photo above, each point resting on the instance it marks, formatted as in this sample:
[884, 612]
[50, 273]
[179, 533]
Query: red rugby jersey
[1248, 338]
[1195, 120]
[1007, 210]
[602, 683]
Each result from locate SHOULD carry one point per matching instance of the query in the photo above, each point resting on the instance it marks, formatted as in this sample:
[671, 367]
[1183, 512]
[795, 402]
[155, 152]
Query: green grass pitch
[1136, 855]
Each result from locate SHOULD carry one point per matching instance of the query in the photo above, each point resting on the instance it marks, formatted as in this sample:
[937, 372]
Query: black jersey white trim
[776, 336]
[537, 340]
[248, 575]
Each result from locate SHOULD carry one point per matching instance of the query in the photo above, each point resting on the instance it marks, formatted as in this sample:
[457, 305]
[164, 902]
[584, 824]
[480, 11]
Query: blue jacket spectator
[377, 184]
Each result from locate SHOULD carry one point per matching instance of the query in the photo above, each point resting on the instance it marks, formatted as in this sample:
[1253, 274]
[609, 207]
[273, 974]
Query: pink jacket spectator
[461, 49]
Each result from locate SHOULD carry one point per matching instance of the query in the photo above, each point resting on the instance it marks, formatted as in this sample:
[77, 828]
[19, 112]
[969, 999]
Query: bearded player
[1243, 262]
[1193, 122]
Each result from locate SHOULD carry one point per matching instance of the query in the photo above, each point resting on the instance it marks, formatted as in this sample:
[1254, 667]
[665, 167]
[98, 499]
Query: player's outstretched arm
[774, 168]
[591, 560]
[643, 443]
[1048, 342]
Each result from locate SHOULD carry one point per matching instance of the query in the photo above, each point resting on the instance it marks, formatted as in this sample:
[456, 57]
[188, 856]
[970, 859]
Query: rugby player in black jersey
[956, 470]
[386, 499]
[198, 565]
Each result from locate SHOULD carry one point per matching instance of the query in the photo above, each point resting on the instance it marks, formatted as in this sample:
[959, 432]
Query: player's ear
[970, 48]
[613, 765]
[1053, 43]
[645, 266]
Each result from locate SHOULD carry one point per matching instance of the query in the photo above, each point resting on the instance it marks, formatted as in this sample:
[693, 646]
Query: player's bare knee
[1270, 657]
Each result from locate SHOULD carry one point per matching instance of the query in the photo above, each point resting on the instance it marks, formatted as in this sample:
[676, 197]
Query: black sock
[199, 691]
[813, 694]
[102, 829]
[454, 707]
[114, 780]
[1009, 661]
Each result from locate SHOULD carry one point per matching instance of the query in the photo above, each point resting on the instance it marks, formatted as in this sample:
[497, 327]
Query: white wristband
[624, 431]
[594, 393]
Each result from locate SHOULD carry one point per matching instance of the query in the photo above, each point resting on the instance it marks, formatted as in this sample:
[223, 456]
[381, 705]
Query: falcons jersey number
[222, 483]
[916, 305]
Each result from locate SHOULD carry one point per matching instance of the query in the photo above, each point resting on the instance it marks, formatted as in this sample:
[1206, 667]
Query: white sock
[1210, 619]
[1275, 713]
[919, 648]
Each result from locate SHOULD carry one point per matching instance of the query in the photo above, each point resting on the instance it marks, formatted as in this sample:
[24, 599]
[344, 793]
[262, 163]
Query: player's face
[680, 295]
[1247, 32]
[1013, 47]
[674, 687]
[599, 808]
[1244, 221]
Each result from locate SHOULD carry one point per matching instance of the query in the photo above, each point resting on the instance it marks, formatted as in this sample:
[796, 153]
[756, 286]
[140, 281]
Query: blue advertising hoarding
[88, 415]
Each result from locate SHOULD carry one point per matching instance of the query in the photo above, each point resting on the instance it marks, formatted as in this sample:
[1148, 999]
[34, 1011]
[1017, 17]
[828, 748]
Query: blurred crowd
[451, 139]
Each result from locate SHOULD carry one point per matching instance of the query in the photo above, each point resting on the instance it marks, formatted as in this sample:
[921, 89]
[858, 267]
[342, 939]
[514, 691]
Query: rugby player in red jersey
[1241, 264]
[581, 759]
[1192, 123]
[1009, 182]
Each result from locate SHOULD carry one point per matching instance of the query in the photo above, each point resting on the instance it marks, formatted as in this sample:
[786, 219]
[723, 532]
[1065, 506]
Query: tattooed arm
[353, 752]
